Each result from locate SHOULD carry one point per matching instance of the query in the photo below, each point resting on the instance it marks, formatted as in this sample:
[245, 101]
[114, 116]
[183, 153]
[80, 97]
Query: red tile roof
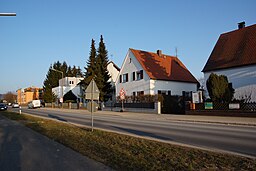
[233, 49]
[163, 67]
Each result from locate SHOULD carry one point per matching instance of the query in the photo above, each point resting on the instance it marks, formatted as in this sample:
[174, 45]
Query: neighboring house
[154, 73]
[234, 56]
[28, 94]
[69, 83]
[113, 70]
[72, 83]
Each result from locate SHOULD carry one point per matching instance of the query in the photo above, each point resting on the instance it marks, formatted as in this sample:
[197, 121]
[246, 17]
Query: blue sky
[46, 31]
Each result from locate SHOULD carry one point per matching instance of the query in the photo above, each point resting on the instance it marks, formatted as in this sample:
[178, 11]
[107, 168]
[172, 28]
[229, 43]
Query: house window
[134, 93]
[125, 78]
[164, 92]
[140, 93]
[133, 76]
[71, 82]
[140, 75]
[120, 79]
[130, 60]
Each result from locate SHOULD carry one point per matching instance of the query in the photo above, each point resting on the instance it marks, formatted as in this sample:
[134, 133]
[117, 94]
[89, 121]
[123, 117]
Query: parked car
[15, 105]
[34, 104]
[3, 106]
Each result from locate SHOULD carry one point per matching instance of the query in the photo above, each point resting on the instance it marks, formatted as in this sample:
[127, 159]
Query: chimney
[159, 52]
[241, 25]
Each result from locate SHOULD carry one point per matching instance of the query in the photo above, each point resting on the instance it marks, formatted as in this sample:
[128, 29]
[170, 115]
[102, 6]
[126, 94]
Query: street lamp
[7, 14]
[62, 93]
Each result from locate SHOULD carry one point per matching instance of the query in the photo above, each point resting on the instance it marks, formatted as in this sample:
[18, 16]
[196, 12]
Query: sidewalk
[249, 121]
[23, 149]
[188, 118]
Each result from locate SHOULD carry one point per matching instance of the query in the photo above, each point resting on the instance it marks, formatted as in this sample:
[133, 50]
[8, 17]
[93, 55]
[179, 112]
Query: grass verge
[123, 152]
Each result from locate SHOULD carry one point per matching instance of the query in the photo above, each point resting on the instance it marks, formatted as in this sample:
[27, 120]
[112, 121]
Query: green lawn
[122, 152]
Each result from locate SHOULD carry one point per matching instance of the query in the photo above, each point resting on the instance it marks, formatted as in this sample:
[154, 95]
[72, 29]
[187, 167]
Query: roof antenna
[176, 51]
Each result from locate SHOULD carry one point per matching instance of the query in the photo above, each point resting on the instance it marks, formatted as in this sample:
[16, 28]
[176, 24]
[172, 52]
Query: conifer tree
[90, 70]
[49, 83]
[76, 72]
[220, 90]
[102, 74]
[69, 71]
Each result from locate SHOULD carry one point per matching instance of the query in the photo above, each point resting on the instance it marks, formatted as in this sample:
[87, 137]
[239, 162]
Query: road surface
[238, 139]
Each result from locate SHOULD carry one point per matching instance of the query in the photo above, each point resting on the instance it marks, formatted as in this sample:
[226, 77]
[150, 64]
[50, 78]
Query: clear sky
[46, 31]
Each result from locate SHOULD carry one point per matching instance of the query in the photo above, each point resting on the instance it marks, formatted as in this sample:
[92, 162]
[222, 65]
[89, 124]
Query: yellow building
[29, 94]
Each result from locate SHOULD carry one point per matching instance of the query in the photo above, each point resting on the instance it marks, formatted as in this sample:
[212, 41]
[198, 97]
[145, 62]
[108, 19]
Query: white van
[34, 104]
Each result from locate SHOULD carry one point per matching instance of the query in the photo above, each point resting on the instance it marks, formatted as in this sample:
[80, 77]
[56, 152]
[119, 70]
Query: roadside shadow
[143, 133]
[57, 117]
[10, 148]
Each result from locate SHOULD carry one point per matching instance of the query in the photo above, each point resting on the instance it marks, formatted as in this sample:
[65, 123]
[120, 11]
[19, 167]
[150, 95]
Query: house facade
[234, 56]
[151, 73]
[25, 95]
[113, 70]
[72, 83]
[69, 84]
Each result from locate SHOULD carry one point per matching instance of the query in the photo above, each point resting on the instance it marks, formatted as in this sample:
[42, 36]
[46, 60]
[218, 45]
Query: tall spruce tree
[50, 82]
[90, 69]
[102, 74]
[76, 72]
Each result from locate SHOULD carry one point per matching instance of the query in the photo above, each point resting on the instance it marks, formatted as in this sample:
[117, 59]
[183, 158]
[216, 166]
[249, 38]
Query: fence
[222, 109]
[66, 105]
[136, 105]
[226, 106]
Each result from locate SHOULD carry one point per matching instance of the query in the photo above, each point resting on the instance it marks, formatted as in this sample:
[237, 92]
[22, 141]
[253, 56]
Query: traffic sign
[92, 92]
[122, 94]
[92, 106]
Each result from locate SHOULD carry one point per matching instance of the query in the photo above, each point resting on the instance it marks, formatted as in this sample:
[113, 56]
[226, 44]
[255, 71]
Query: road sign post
[122, 97]
[92, 93]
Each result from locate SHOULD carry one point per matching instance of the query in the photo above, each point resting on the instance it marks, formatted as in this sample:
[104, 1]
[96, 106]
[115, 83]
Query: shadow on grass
[13, 115]
[57, 117]
[142, 133]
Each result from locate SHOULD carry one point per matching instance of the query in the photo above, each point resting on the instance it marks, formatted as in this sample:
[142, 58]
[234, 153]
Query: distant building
[151, 73]
[234, 56]
[113, 70]
[24, 95]
[72, 83]
[69, 84]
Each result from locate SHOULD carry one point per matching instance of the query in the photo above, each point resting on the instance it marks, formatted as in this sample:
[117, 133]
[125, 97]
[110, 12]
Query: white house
[154, 73]
[234, 56]
[67, 84]
[72, 83]
[113, 70]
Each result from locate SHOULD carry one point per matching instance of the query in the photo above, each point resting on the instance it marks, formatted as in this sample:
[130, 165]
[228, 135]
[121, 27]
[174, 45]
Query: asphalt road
[238, 139]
